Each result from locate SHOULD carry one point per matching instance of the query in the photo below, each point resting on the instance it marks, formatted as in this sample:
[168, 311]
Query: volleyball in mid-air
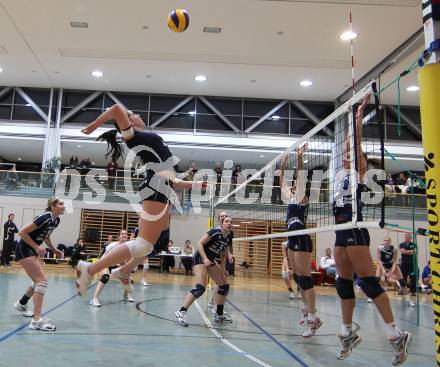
[178, 20]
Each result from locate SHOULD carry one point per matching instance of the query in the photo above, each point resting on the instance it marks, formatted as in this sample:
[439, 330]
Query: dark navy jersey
[45, 226]
[296, 215]
[407, 259]
[158, 151]
[386, 255]
[216, 244]
[342, 203]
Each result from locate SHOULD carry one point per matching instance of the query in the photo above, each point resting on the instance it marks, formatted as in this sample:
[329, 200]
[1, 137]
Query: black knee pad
[104, 278]
[305, 282]
[402, 282]
[371, 287]
[198, 290]
[223, 289]
[345, 288]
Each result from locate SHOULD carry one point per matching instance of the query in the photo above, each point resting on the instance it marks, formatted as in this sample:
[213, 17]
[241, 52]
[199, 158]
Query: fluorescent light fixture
[19, 159]
[261, 156]
[306, 83]
[207, 29]
[97, 74]
[192, 112]
[1, 70]
[200, 78]
[306, 160]
[79, 25]
[348, 35]
[276, 117]
[28, 104]
[79, 146]
[413, 88]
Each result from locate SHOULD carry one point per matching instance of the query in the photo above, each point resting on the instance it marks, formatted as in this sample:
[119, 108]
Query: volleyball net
[315, 166]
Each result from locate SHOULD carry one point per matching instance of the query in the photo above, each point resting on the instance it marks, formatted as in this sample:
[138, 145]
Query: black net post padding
[381, 130]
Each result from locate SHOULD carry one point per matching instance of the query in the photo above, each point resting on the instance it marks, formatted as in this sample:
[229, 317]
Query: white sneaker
[23, 309]
[221, 318]
[127, 298]
[291, 295]
[94, 302]
[181, 318]
[347, 344]
[124, 279]
[400, 348]
[312, 326]
[42, 324]
[410, 303]
[84, 279]
[144, 283]
[210, 304]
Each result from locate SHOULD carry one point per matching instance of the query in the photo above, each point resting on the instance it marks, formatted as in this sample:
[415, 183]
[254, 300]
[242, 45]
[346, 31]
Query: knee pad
[146, 266]
[345, 288]
[223, 290]
[104, 278]
[139, 247]
[33, 287]
[402, 283]
[40, 287]
[285, 274]
[371, 287]
[305, 282]
[198, 290]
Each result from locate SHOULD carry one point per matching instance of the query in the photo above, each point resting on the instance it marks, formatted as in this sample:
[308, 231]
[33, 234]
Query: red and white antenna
[352, 54]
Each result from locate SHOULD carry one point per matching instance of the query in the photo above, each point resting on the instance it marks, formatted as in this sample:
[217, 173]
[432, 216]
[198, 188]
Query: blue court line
[15, 331]
[271, 337]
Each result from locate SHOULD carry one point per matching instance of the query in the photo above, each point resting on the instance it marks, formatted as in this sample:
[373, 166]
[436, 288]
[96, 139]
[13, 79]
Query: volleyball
[178, 20]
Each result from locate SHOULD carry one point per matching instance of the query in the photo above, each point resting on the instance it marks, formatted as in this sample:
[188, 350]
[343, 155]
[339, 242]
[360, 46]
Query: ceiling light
[275, 117]
[1, 70]
[200, 78]
[212, 29]
[348, 35]
[79, 25]
[192, 112]
[79, 146]
[306, 83]
[413, 88]
[28, 104]
[261, 156]
[19, 159]
[97, 74]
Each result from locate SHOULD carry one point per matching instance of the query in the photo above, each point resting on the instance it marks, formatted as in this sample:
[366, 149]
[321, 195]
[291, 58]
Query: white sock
[305, 309]
[393, 331]
[311, 317]
[346, 329]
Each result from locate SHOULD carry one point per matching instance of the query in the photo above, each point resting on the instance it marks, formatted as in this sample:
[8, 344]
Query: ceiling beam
[32, 104]
[80, 106]
[406, 119]
[176, 108]
[219, 114]
[266, 116]
[310, 115]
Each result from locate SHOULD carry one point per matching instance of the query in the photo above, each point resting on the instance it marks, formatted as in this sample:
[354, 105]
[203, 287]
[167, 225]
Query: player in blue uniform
[352, 255]
[27, 251]
[207, 261]
[300, 247]
[156, 190]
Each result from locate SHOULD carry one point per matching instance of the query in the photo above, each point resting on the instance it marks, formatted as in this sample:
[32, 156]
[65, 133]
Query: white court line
[227, 342]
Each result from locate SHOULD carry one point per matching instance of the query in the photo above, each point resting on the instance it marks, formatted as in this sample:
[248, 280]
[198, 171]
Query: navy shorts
[302, 243]
[152, 194]
[198, 260]
[23, 250]
[352, 237]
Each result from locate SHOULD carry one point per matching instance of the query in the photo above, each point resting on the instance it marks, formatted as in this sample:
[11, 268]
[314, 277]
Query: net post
[355, 164]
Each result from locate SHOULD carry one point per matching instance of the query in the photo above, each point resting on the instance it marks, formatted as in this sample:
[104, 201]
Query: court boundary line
[270, 336]
[21, 327]
[226, 341]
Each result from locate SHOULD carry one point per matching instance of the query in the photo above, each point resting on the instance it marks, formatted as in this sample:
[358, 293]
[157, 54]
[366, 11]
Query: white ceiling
[39, 48]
